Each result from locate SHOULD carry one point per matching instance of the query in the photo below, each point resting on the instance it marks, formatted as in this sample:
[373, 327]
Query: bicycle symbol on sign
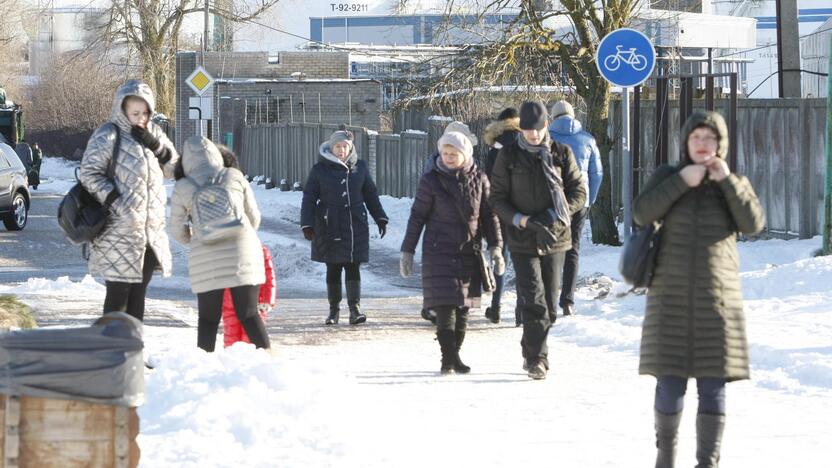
[637, 61]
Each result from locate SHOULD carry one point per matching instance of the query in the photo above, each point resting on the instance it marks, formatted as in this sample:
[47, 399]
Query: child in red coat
[268, 294]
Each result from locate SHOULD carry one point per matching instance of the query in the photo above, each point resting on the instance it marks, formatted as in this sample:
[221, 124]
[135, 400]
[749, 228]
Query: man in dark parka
[498, 134]
[536, 187]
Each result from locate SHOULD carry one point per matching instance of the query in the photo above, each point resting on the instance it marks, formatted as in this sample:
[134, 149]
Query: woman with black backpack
[213, 210]
[123, 167]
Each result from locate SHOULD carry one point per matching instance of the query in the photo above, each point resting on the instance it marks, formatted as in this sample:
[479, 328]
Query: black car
[14, 194]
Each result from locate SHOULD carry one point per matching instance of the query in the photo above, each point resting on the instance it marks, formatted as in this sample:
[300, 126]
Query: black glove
[546, 218]
[145, 137]
[546, 239]
[308, 233]
[382, 228]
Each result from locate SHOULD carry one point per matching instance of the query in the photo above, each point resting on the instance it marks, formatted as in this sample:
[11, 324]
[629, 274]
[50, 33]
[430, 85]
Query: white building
[762, 71]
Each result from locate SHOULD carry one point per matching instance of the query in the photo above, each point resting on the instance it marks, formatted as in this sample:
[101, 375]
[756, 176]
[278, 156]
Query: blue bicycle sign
[630, 57]
[625, 57]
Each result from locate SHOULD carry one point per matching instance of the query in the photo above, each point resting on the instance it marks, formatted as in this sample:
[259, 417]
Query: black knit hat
[533, 115]
[508, 113]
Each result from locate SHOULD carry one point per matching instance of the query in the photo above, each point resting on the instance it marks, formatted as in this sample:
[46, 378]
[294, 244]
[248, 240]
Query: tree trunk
[159, 72]
[602, 215]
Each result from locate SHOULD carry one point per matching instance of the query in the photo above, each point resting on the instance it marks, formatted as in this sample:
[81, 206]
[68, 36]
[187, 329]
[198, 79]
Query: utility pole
[788, 49]
[205, 32]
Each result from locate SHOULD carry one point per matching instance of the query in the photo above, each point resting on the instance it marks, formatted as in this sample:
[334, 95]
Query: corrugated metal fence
[780, 149]
[288, 151]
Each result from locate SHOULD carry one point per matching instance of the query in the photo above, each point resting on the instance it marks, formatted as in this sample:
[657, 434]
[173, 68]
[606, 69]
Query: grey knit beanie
[339, 136]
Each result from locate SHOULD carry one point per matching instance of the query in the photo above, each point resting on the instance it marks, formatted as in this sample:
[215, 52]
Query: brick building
[256, 88]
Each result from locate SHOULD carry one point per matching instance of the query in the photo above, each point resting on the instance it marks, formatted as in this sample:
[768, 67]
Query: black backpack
[80, 215]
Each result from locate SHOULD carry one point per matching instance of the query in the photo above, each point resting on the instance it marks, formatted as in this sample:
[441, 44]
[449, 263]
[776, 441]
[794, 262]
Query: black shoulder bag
[487, 276]
[80, 215]
[638, 258]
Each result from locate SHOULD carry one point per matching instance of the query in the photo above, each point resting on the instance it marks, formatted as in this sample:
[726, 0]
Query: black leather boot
[461, 326]
[493, 313]
[708, 439]
[354, 302]
[333, 292]
[447, 344]
[667, 430]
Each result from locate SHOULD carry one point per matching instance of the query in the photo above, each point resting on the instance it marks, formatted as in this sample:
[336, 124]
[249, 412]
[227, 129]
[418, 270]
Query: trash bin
[69, 396]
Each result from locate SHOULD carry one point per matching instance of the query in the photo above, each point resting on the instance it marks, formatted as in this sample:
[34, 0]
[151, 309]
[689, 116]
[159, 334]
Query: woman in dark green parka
[694, 325]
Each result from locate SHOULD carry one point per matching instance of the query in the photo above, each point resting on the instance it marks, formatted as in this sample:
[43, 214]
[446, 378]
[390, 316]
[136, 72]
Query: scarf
[543, 151]
[464, 184]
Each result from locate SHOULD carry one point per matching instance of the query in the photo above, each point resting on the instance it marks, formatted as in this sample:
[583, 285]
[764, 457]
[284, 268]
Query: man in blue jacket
[566, 129]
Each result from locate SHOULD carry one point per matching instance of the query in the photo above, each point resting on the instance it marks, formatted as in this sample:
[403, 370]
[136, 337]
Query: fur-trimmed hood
[497, 128]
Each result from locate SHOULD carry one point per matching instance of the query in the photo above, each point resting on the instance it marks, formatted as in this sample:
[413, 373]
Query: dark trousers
[538, 279]
[451, 318]
[333, 272]
[670, 394]
[570, 263]
[129, 297]
[499, 280]
[245, 305]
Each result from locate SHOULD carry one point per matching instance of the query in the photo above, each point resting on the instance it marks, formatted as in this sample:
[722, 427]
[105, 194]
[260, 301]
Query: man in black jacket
[535, 188]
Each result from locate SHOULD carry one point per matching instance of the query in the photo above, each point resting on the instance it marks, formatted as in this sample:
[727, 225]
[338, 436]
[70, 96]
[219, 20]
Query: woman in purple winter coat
[450, 204]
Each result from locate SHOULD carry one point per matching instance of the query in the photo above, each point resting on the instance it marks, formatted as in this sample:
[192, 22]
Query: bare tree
[12, 45]
[151, 29]
[541, 45]
[71, 98]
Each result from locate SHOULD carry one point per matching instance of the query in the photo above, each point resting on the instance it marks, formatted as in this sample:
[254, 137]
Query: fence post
[371, 155]
[807, 215]
[827, 198]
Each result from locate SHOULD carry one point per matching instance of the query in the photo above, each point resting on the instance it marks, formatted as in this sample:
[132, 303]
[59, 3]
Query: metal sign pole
[627, 163]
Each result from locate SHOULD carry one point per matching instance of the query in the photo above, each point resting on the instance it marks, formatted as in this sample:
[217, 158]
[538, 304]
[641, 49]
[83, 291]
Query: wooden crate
[47, 432]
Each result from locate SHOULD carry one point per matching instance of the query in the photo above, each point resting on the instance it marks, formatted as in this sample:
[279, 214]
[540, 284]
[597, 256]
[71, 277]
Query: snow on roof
[499, 89]
[291, 80]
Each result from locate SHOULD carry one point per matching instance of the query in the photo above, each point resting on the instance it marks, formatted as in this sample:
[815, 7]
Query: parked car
[14, 192]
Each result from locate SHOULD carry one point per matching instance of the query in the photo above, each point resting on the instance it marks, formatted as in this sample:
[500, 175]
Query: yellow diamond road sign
[200, 81]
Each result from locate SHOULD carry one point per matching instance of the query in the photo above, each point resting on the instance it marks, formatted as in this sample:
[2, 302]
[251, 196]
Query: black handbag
[80, 215]
[638, 258]
[487, 276]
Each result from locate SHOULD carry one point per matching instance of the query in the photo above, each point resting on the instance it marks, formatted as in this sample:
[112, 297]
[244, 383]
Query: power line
[786, 70]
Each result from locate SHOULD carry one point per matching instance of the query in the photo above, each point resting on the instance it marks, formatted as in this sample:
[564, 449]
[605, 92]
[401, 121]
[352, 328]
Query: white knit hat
[457, 126]
[459, 141]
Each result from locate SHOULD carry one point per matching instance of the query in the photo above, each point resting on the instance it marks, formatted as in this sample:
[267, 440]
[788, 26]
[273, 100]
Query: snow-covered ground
[346, 401]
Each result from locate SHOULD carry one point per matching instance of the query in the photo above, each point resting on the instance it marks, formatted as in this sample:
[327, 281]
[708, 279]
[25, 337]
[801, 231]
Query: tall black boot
[333, 292]
[447, 344]
[708, 439]
[667, 430]
[461, 326]
[354, 302]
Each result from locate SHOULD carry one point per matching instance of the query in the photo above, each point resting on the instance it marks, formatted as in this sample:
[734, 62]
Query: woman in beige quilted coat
[694, 325]
[233, 261]
[133, 243]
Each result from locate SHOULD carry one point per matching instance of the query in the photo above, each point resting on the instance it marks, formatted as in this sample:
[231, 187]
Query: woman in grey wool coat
[133, 243]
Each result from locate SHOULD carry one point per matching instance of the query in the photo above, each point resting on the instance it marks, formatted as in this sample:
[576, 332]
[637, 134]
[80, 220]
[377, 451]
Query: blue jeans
[670, 394]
